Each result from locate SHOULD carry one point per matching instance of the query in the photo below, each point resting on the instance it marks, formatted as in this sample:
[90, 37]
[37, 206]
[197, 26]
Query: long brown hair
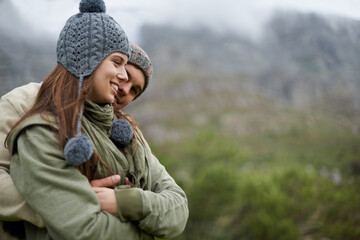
[58, 95]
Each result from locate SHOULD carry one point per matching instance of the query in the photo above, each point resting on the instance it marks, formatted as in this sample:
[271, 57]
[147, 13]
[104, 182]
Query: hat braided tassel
[79, 148]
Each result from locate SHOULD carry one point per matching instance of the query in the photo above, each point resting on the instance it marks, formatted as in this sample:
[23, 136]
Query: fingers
[128, 182]
[97, 189]
[106, 182]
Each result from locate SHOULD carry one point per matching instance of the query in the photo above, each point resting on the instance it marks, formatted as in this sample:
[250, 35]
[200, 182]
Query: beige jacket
[13, 105]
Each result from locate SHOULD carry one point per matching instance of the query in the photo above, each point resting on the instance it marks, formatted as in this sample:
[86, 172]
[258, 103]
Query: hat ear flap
[78, 150]
[121, 132]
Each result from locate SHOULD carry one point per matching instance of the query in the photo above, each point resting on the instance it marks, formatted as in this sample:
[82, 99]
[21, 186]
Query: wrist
[129, 203]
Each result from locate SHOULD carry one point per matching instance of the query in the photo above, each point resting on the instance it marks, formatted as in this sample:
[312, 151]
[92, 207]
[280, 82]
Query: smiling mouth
[114, 86]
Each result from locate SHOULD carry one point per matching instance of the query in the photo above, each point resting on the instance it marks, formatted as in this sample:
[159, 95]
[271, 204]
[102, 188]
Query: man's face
[129, 90]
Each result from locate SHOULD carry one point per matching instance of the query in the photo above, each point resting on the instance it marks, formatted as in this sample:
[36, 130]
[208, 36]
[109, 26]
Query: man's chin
[117, 105]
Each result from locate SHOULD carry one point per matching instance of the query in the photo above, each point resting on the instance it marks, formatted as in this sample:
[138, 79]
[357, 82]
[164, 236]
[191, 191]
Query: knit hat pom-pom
[121, 132]
[89, 6]
[78, 150]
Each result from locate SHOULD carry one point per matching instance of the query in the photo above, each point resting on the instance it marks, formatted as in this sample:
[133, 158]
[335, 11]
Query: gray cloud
[227, 15]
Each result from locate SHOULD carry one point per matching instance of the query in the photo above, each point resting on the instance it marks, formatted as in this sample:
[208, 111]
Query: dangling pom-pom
[88, 6]
[121, 132]
[78, 150]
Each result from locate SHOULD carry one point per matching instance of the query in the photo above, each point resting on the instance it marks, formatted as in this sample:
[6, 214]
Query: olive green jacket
[69, 207]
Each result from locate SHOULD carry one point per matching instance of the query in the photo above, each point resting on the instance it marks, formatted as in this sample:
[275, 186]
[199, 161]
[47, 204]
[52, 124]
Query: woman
[17, 102]
[58, 190]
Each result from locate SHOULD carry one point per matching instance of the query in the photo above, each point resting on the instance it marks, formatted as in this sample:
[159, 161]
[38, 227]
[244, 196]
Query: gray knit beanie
[85, 41]
[88, 37]
[140, 59]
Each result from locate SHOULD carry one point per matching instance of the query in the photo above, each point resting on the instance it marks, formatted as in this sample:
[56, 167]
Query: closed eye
[118, 60]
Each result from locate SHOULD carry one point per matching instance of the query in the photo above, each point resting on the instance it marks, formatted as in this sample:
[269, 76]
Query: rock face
[302, 60]
[24, 57]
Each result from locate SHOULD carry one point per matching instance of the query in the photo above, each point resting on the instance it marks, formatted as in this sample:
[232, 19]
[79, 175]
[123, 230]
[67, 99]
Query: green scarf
[97, 123]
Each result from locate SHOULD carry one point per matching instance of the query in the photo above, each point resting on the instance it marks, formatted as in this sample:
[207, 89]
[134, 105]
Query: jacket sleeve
[163, 211]
[12, 106]
[60, 194]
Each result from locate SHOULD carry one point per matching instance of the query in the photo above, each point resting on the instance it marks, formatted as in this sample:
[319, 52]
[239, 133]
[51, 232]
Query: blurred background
[254, 106]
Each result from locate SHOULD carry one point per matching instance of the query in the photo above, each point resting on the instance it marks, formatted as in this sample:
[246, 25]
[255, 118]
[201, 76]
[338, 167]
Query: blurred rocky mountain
[24, 57]
[301, 60]
[314, 58]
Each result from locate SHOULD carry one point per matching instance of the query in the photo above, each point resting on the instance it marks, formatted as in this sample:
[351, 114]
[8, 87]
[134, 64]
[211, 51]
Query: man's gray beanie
[88, 37]
[140, 59]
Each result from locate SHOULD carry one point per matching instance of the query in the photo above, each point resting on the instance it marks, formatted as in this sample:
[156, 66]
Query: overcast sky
[49, 16]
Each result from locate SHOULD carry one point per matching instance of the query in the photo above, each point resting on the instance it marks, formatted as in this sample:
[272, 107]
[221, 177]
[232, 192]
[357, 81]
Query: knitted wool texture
[89, 37]
[78, 150]
[86, 39]
[121, 132]
[140, 59]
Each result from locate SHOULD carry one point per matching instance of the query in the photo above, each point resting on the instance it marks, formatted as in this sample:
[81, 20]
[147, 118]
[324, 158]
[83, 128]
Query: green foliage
[212, 147]
[293, 184]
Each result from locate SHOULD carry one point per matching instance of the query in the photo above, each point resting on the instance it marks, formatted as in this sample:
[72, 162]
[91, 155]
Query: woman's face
[128, 90]
[107, 78]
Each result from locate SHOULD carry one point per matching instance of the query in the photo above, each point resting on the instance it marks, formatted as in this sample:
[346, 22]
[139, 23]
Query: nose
[124, 88]
[122, 75]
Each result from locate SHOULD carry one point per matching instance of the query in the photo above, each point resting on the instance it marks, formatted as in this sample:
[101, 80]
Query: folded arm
[163, 211]
[59, 193]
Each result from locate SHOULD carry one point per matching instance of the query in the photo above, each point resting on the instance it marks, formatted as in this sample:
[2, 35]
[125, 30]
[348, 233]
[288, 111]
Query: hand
[107, 199]
[127, 182]
[106, 196]
[106, 182]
